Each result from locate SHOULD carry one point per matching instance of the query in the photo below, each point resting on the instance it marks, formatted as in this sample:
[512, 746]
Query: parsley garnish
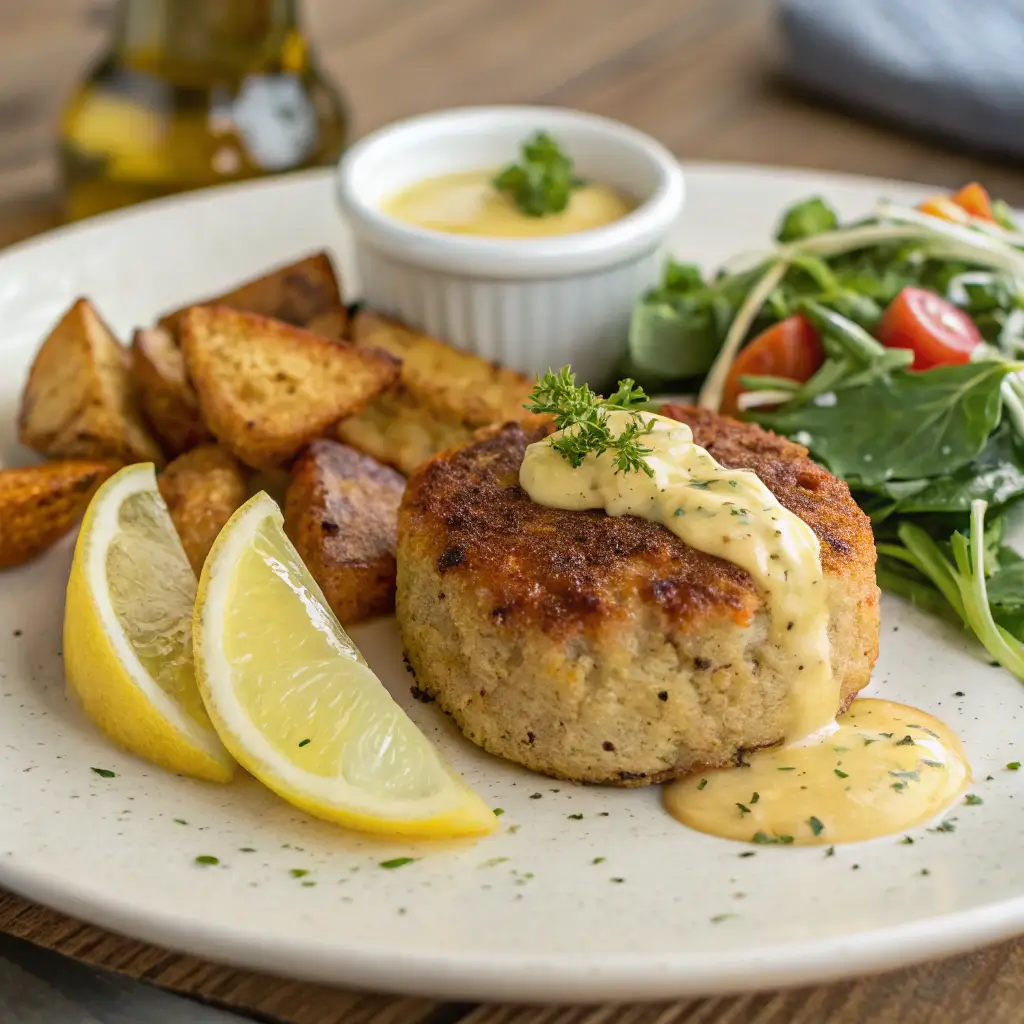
[907, 741]
[583, 416]
[765, 840]
[303, 743]
[543, 181]
[105, 773]
[396, 862]
[702, 783]
[945, 826]
[498, 811]
[840, 773]
[298, 872]
[598, 860]
[907, 841]
[816, 826]
[973, 801]
[1014, 766]
[206, 859]
[754, 797]
[744, 809]
[830, 852]
[575, 817]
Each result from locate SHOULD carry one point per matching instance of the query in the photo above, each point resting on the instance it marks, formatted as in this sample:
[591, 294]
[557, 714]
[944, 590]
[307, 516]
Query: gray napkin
[954, 68]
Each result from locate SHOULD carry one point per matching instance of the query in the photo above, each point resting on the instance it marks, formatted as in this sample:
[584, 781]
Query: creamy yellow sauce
[882, 768]
[725, 512]
[886, 768]
[468, 204]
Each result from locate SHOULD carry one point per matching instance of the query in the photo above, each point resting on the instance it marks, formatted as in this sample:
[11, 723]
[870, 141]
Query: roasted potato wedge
[296, 293]
[39, 504]
[168, 400]
[266, 388]
[442, 397]
[79, 401]
[332, 324]
[203, 489]
[341, 514]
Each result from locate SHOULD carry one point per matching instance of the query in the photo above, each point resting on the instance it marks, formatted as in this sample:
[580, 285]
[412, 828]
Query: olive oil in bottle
[194, 93]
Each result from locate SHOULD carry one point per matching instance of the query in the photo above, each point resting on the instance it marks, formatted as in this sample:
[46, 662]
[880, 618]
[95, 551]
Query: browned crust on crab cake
[605, 649]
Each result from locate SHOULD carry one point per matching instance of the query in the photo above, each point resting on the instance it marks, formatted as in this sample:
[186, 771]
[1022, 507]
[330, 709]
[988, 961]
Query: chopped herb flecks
[396, 862]
[298, 872]
[304, 743]
[498, 811]
[973, 801]
[762, 839]
[816, 826]
[702, 783]
[105, 773]
[207, 859]
[840, 773]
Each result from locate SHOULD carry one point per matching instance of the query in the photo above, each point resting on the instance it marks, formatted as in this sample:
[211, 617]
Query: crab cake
[605, 649]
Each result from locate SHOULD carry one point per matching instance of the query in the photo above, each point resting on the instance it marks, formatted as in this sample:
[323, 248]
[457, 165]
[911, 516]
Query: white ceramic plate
[621, 903]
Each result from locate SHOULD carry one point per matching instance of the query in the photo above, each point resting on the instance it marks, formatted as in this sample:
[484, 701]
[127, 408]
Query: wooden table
[699, 74]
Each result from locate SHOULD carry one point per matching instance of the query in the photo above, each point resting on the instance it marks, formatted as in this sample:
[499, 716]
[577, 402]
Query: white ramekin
[529, 304]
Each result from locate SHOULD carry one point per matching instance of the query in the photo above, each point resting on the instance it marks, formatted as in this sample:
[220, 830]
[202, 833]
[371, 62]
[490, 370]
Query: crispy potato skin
[296, 293]
[78, 401]
[441, 398]
[341, 514]
[167, 399]
[605, 649]
[40, 504]
[203, 489]
[266, 389]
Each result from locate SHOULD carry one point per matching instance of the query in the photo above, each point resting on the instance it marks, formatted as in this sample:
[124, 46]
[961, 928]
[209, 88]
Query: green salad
[893, 349]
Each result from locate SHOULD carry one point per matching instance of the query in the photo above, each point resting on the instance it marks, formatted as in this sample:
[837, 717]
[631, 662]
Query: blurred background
[103, 102]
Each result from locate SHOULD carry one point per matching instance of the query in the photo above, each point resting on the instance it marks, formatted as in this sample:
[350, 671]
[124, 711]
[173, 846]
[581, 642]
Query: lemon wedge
[294, 701]
[128, 630]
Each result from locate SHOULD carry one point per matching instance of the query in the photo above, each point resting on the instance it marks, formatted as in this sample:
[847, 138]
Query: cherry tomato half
[945, 208]
[975, 200]
[791, 348]
[936, 331]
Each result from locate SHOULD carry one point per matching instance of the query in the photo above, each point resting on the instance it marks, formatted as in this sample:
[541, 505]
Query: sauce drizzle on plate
[881, 767]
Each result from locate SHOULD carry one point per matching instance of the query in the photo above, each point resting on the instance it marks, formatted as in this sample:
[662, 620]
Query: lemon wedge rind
[101, 667]
[451, 808]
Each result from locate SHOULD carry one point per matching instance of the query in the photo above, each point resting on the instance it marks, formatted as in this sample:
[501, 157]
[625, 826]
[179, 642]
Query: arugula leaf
[811, 217]
[542, 183]
[903, 426]
[995, 476]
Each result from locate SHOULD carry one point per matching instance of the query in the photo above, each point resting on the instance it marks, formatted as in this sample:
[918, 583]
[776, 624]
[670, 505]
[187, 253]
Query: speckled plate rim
[611, 976]
[510, 978]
